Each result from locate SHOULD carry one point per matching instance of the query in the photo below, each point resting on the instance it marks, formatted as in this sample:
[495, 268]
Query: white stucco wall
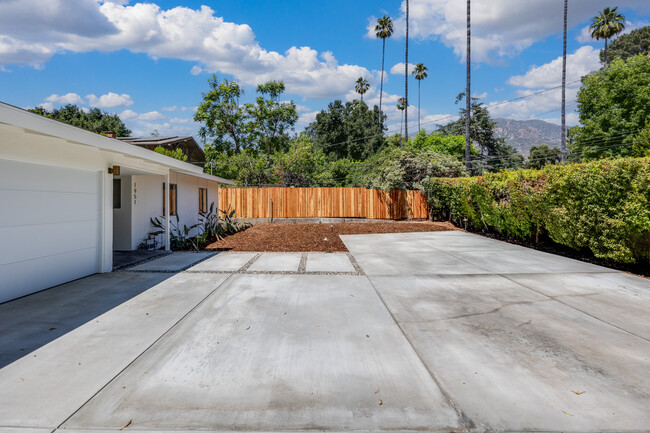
[146, 201]
[122, 239]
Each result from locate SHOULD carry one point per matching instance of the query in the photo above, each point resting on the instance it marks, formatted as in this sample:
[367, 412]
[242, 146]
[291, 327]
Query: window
[117, 193]
[172, 199]
[203, 200]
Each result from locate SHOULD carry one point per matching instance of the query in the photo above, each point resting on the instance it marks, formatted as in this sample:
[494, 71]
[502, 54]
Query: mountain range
[524, 134]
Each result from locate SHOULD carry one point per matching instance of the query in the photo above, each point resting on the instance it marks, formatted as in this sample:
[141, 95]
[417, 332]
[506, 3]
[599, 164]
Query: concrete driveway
[409, 332]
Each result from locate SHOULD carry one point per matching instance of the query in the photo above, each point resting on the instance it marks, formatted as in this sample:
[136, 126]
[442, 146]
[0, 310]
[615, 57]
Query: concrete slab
[278, 353]
[45, 387]
[426, 298]
[619, 299]
[526, 260]
[224, 262]
[428, 263]
[329, 262]
[277, 262]
[538, 367]
[173, 262]
[33, 321]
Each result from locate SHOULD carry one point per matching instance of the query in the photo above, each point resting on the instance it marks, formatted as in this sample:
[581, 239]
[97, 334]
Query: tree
[383, 29]
[223, 119]
[440, 143]
[349, 130]
[613, 108]
[468, 90]
[177, 153]
[626, 46]
[361, 86]
[406, 167]
[406, 78]
[93, 120]
[541, 155]
[301, 165]
[270, 119]
[494, 154]
[607, 24]
[401, 105]
[420, 73]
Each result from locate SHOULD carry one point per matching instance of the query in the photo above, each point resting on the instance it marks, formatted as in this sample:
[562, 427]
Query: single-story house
[71, 197]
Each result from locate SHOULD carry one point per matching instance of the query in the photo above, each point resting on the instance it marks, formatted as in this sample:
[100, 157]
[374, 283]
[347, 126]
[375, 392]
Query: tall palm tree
[563, 145]
[401, 105]
[607, 24]
[468, 93]
[420, 73]
[383, 29]
[406, 78]
[362, 87]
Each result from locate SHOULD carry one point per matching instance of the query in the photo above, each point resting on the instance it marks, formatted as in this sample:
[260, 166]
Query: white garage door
[49, 226]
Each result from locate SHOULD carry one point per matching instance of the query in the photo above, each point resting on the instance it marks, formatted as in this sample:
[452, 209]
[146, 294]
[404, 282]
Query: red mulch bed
[302, 237]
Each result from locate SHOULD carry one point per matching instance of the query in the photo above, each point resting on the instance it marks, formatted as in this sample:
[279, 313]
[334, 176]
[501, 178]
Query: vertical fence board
[323, 203]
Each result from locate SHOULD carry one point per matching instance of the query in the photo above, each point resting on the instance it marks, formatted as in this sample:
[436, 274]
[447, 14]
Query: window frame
[203, 200]
[173, 199]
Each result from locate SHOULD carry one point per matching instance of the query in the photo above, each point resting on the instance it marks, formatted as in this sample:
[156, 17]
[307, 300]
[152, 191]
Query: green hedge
[602, 206]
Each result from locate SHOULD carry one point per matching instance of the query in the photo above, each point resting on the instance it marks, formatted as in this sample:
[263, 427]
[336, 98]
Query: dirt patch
[301, 237]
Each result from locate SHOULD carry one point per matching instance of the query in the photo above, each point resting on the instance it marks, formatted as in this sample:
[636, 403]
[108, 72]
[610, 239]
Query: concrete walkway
[410, 332]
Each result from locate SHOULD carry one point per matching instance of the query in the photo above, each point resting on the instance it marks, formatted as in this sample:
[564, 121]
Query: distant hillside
[524, 134]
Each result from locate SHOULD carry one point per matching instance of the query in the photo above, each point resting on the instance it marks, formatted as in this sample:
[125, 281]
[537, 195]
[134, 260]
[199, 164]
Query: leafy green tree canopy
[629, 45]
[543, 154]
[177, 153]
[614, 108]
[350, 130]
[93, 120]
[231, 127]
[223, 118]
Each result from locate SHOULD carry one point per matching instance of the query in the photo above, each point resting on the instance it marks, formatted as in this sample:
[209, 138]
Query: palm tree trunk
[401, 124]
[406, 79]
[419, 96]
[606, 52]
[381, 91]
[563, 145]
[468, 93]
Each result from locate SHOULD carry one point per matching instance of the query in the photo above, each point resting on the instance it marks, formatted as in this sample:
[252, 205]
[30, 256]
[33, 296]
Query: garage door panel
[23, 278]
[39, 207]
[49, 226]
[30, 242]
[33, 177]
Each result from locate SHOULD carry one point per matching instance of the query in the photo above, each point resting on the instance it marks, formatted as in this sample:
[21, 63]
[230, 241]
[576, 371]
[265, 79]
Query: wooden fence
[323, 203]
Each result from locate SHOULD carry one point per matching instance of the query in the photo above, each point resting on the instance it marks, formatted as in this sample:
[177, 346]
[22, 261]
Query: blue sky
[149, 62]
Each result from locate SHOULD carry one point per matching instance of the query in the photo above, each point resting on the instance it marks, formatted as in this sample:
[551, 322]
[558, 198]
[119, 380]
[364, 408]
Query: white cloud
[110, 100]
[128, 115]
[499, 28]
[480, 95]
[68, 98]
[583, 61]
[398, 69]
[47, 106]
[151, 115]
[196, 70]
[194, 35]
[172, 108]
[179, 120]
[546, 79]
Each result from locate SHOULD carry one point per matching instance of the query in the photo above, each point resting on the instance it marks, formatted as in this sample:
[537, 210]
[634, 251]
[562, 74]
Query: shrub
[601, 206]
